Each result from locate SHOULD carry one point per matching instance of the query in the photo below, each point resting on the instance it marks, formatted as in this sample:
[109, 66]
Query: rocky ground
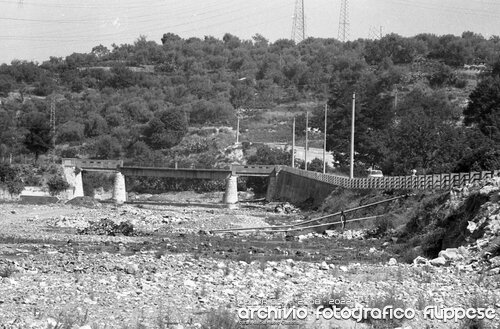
[61, 267]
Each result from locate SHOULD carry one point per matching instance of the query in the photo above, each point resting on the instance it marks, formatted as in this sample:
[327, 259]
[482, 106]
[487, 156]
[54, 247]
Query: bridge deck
[194, 173]
[212, 174]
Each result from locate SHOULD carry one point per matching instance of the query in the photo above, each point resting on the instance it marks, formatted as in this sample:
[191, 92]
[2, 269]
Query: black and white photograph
[264, 164]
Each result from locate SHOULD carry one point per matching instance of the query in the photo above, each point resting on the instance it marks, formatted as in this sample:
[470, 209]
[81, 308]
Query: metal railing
[417, 182]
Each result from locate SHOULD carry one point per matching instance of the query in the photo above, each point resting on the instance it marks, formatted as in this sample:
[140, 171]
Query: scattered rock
[190, 283]
[286, 208]
[420, 261]
[132, 269]
[495, 261]
[450, 254]
[440, 261]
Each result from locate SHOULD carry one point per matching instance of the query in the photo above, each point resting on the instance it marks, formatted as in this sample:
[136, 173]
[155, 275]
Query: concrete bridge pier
[120, 190]
[231, 193]
[78, 185]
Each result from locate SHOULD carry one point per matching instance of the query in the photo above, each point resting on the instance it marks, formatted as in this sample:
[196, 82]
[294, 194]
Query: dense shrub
[317, 165]
[57, 184]
[383, 224]
[10, 177]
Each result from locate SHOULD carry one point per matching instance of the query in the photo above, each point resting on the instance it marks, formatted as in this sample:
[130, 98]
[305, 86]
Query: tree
[231, 41]
[8, 133]
[260, 41]
[100, 51]
[208, 112]
[70, 131]
[38, 135]
[270, 156]
[139, 152]
[483, 109]
[317, 165]
[166, 129]
[95, 125]
[424, 135]
[7, 83]
[45, 86]
[106, 147]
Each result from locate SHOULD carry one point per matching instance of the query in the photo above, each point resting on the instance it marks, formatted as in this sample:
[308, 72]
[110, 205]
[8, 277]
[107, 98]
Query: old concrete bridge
[73, 169]
[285, 183]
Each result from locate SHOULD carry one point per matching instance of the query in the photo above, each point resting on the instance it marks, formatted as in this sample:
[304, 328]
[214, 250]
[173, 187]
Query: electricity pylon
[298, 27]
[344, 21]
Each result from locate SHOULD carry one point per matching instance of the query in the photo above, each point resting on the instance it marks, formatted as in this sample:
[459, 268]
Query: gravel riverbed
[173, 271]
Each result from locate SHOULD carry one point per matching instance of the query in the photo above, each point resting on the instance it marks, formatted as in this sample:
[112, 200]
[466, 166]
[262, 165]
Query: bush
[317, 165]
[69, 152]
[222, 318]
[57, 184]
[11, 178]
[383, 224]
[15, 187]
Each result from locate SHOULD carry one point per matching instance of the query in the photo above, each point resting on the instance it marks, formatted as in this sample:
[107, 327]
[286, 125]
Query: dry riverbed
[171, 271]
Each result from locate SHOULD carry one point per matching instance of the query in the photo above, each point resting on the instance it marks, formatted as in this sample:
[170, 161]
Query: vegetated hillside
[136, 101]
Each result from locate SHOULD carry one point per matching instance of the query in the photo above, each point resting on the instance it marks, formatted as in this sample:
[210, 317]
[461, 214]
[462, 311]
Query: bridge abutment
[271, 186]
[120, 190]
[231, 193]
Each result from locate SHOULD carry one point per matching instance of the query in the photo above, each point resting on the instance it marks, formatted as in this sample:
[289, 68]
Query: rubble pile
[106, 226]
[482, 253]
[84, 201]
[286, 208]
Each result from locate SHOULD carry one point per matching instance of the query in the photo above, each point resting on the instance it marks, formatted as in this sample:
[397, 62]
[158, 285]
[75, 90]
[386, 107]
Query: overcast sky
[38, 29]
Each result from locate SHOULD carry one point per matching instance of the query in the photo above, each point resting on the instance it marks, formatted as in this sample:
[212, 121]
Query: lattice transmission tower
[344, 21]
[299, 25]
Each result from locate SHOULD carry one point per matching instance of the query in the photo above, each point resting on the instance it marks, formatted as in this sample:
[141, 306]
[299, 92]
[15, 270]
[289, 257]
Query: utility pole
[293, 143]
[53, 119]
[396, 100]
[305, 149]
[343, 34]
[324, 142]
[351, 175]
[298, 27]
[238, 129]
